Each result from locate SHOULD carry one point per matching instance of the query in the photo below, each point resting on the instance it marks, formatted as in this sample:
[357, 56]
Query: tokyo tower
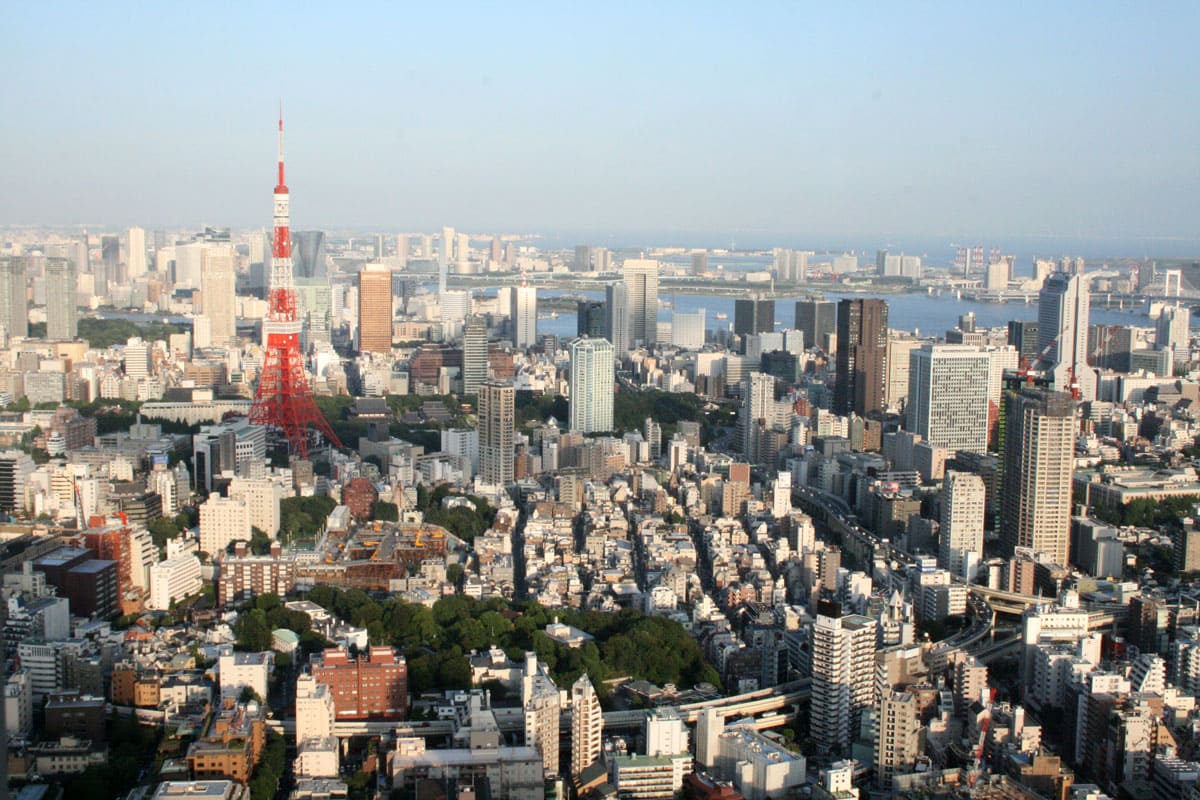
[284, 399]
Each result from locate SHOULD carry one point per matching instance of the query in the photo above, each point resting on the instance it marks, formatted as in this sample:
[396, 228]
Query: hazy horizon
[781, 123]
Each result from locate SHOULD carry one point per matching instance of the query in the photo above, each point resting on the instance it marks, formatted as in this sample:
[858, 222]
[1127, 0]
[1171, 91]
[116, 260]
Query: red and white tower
[284, 399]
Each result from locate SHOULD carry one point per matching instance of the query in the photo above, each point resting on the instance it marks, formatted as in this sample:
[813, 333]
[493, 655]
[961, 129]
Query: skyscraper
[816, 319]
[445, 254]
[964, 498]
[218, 292]
[583, 258]
[591, 401]
[1024, 336]
[754, 315]
[948, 395]
[1039, 455]
[137, 252]
[616, 323]
[497, 417]
[375, 309]
[898, 736]
[309, 250]
[758, 414]
[62, 316]
[14, 305]
[590, 319]
[1063, 330]
[641, 281]
[1172, 333]
[587, 724]
[699, 262]
[524, 316]
[110, 258]
[843, 675]
[475, 354]
[862, 333]
[687, 329]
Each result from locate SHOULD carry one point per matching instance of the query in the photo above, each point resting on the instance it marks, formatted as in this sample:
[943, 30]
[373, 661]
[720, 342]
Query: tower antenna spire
[281, 181]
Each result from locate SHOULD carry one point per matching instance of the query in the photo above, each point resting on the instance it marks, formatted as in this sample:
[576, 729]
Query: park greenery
[301, 518]
[1147, 512]
[104, 333]
[131, 747]
[254, 626]
[630, 410]
[436, 641]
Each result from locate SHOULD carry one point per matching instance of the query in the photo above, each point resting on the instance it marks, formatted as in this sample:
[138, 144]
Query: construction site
[371, 555]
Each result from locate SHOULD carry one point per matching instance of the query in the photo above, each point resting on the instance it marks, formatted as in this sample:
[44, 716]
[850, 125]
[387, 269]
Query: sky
[792, 120]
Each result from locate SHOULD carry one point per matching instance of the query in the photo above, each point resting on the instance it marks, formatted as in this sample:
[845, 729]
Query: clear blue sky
[1071, 118]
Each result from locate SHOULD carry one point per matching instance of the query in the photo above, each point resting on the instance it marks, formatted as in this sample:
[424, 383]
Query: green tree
[252, 631]
[385, 511]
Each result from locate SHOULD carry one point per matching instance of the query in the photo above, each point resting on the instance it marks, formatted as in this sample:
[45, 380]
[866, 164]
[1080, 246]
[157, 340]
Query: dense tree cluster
[132, 746]
[104, 333]
[303, 517]
[265, 783]
[254, 626]
[461, 521]
[437, 640]
[1147, 512]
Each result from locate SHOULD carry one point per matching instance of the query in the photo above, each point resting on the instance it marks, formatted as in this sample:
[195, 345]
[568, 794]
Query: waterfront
[919, 312]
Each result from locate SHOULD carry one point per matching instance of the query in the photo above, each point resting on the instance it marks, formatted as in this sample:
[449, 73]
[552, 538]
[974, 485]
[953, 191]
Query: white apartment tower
[587, 725]
[948, 396]
[136, 259]
[218, 292]
[641, 281]
[62, 315]
[616, 317]
[444, 256]
[524, 316]
[474, 354]
[1063, 330]
[843, 677]
[14, 304]
[591, 385]
[964, 496]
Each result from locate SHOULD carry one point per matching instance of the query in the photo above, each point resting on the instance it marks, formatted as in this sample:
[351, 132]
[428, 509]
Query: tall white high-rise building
[948, 395]
[14, 304]
[1172, 333]
[543, 712]
[524, 316]
[62, 315]
[641, 281]
[587, 725]
[475, 354]
[1063, 331]
[687, 329]
[218, 292]
[616, 317]
[456, 305]
[444, 257]
[136, 260]
[964, 497]
[843, 677]
[591, 385]
[138, 358]
[497, 419]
